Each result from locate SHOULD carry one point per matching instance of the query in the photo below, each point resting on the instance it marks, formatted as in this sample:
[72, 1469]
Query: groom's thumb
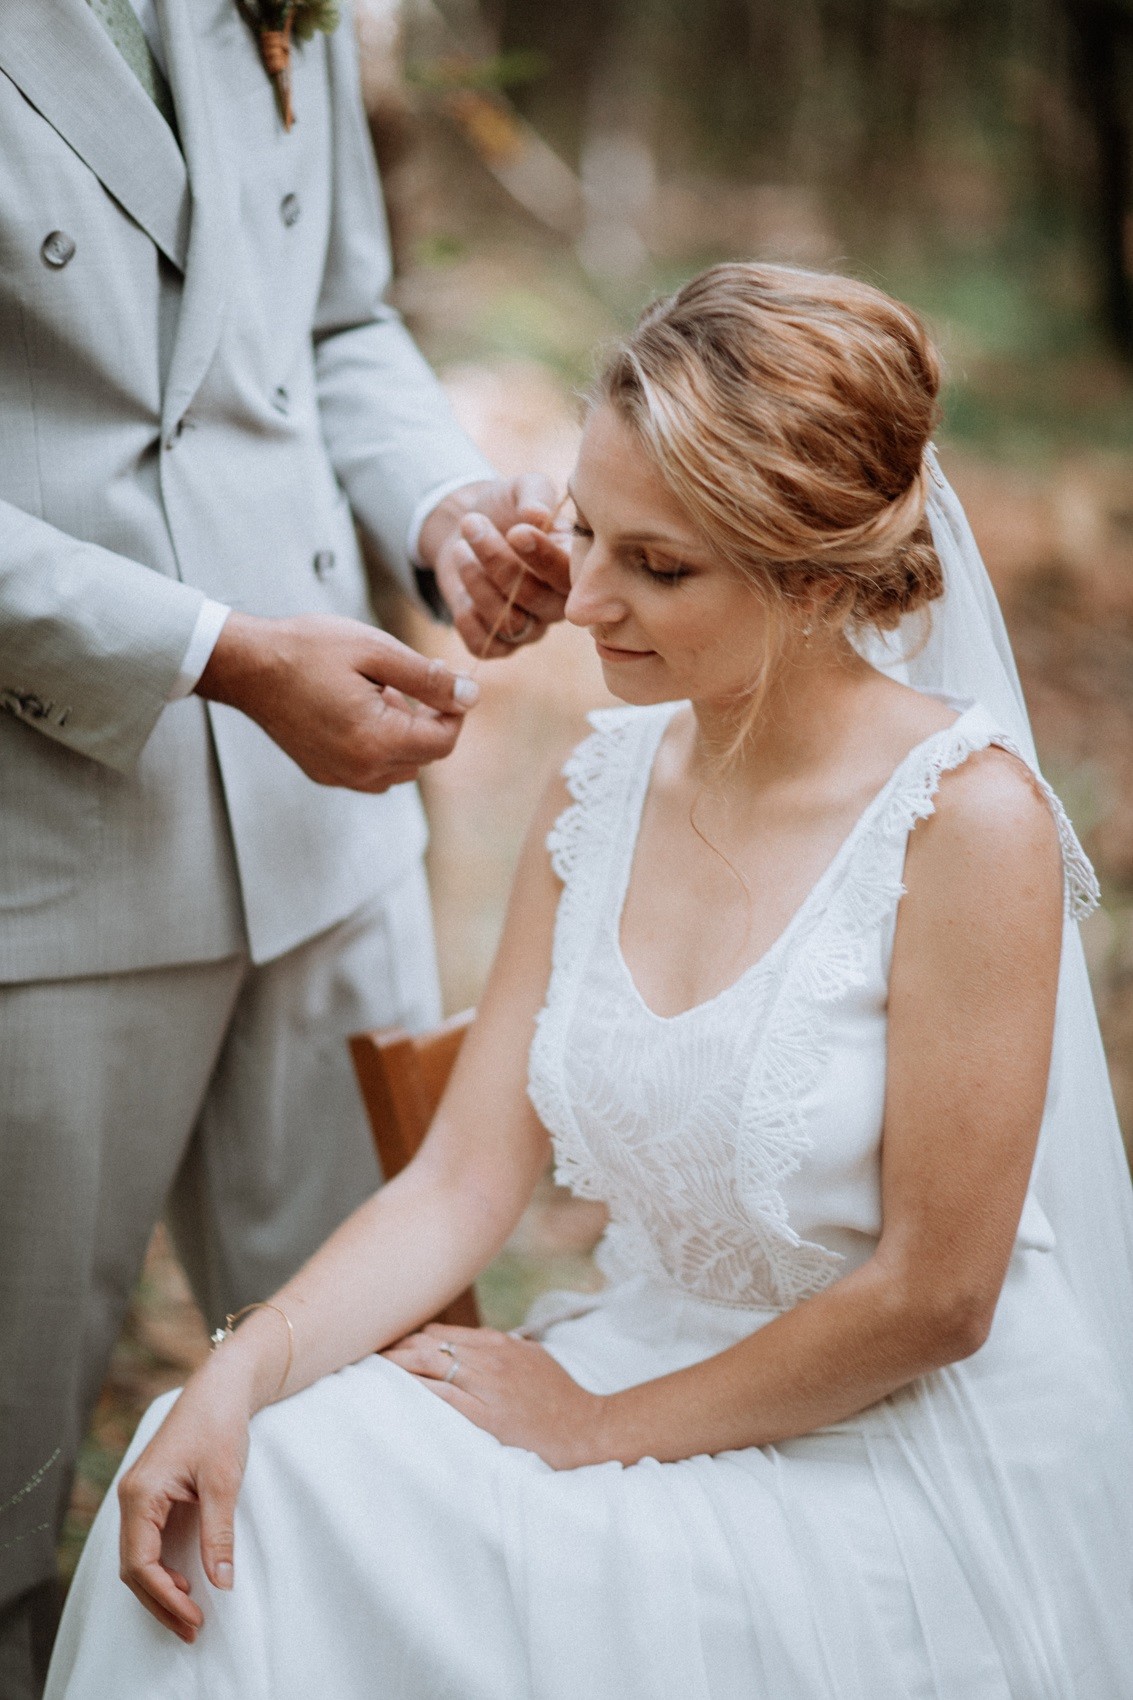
[536, 500]
[431, 682]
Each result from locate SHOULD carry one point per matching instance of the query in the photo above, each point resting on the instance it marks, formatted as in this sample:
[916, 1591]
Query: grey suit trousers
[220, 1091]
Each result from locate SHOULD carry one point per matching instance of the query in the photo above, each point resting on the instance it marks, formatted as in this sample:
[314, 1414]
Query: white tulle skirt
[969, 1539]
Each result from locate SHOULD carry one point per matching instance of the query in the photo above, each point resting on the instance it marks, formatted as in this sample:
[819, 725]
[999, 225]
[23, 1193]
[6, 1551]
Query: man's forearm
[90, 641]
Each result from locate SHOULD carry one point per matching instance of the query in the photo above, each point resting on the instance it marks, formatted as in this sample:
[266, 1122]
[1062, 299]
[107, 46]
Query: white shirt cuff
[432, 499]
[201, 645]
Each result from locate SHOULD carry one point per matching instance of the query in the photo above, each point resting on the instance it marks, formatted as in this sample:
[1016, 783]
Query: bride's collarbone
[717, 877]
[702, 908]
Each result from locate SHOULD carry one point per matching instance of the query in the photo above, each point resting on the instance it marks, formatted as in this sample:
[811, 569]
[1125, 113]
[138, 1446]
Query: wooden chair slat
[402, 1078]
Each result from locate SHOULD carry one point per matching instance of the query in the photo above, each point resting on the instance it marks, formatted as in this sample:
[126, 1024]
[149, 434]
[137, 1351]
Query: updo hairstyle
[788, 412]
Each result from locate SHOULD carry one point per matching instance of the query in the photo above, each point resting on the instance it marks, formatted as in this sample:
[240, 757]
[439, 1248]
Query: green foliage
[307, 17]
[312, 16]
[509, 1288]
[501, 70]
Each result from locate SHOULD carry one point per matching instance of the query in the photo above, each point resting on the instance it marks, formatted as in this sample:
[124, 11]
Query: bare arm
[971, 1019]
[971, 1012]
[397, 1260]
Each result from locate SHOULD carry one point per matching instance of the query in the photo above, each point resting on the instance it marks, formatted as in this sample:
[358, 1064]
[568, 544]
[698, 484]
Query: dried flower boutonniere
[275, 23]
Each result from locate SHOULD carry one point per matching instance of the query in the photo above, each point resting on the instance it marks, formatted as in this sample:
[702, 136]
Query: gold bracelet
[220, 1335]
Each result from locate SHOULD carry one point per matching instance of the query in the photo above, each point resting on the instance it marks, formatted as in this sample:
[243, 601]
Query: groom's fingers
[413, 736]
[490, 569]
[536, 499]
[545, 555]
[432, 682]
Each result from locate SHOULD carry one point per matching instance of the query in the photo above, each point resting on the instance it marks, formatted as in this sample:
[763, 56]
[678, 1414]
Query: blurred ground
[512, 323]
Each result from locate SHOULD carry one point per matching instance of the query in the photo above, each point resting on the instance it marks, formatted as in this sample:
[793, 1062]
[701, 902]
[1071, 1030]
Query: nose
[594, 598]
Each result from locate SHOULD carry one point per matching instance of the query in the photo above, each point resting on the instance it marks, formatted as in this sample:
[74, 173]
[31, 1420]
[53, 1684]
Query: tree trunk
[1101, 32]
[574, 36]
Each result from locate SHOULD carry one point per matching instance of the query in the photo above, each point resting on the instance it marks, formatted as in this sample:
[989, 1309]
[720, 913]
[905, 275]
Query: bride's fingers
[217, 1491]
[468, 1404]
[457, 1333]
[144, 1514]
[420, 1356]
[184, 1630]
[150, 1582]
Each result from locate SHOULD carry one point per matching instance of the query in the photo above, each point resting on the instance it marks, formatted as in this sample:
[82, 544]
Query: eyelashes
[658, 575]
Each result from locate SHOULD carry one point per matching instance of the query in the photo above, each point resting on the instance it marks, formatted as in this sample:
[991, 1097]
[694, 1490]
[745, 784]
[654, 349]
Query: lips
[608, 652]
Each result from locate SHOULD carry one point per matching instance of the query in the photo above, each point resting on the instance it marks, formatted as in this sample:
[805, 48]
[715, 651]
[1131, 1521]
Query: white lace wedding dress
[967, 1539]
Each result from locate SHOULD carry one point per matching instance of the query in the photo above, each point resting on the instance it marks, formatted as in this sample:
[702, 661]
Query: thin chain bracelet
[220, 1335]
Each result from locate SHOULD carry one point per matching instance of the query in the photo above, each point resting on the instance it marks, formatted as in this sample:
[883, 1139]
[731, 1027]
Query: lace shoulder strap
[606, 775]
[591, 845]
[912, 797]
[831, 956]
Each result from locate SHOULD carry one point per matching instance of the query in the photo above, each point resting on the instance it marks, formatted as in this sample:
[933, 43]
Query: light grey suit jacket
[199, 402]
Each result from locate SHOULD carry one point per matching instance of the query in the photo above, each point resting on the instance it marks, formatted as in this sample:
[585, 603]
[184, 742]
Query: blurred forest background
[549, 169]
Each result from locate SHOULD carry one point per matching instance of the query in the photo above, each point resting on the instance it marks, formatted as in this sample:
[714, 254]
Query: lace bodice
[736, 1144]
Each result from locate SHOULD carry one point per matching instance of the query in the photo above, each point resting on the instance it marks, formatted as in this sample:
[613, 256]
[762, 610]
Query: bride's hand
[197, 1458]
[511, 1387]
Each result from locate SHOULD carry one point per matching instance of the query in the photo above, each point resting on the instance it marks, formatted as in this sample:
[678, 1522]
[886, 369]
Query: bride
[790, 980]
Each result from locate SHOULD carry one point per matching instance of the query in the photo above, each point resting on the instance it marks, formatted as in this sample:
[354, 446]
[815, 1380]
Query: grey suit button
[289, 209]
[57, 249]
[324, 563]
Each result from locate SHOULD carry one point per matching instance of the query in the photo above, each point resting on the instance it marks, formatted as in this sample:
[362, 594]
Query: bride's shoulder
[992, 831]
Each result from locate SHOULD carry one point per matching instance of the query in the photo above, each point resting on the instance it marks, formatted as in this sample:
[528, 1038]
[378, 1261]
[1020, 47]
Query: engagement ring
[522, 635]
[449, 1351]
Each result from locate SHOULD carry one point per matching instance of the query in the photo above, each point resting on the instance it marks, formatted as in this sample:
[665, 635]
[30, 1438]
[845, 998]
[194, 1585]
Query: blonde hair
[789, 412]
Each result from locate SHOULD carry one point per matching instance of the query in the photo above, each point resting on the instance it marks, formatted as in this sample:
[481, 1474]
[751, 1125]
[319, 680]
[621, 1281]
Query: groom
[210, 871]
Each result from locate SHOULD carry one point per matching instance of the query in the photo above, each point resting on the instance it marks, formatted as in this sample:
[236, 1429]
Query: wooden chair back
[402, 1077]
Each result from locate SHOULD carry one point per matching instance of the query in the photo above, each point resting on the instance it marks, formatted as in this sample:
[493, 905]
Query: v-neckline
[766, 957]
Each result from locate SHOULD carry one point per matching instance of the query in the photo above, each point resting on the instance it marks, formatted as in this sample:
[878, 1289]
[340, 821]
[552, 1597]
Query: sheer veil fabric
[1081, 1179]
[1082, 1175]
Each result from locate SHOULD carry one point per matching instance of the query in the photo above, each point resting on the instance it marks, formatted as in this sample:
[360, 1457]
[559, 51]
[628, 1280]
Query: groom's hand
[335, 695]
[500, 566]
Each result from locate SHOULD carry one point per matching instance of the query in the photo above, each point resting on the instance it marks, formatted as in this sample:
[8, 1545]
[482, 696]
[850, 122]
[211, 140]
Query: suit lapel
[203, 299]
[62, 60]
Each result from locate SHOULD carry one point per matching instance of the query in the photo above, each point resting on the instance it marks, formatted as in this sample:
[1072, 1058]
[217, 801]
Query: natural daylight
[614, 522]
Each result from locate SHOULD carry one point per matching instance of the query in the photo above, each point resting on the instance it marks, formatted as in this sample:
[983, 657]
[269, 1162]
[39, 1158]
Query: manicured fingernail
[224, 1575]
[466, 691]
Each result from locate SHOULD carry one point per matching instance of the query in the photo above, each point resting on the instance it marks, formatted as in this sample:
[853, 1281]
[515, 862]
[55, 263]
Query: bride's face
[668, 620]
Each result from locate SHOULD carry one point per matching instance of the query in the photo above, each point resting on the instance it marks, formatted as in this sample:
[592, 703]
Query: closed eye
[663, 575]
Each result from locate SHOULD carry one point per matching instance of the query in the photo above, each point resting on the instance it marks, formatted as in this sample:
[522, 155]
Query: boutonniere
[275, 23]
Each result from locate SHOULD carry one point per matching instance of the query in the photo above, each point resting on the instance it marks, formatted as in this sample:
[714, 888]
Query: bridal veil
[1081, 1180]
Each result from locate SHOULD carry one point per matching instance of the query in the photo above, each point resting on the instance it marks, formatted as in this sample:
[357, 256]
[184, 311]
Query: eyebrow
[666, 538]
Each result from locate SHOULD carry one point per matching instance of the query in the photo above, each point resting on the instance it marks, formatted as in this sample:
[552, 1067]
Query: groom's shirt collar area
[147, 17]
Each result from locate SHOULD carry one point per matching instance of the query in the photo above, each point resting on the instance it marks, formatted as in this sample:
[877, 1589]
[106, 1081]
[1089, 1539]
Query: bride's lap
[386, 1545]
[367, 1504]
